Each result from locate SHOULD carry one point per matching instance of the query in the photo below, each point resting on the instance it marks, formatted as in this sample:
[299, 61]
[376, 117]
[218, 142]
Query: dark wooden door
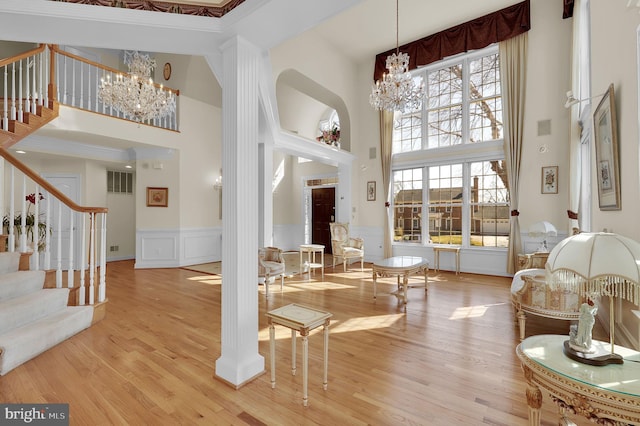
[323, 202]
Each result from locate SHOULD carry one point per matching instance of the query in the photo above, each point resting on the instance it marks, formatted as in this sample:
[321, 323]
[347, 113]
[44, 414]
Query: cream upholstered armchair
[270, 265]
[530, 294]
[345, 247]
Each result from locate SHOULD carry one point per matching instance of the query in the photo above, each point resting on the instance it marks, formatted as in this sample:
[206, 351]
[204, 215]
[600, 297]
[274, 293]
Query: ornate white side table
[311, 250]
[453, 249]
[402, 266]
[300, 319]
[608, 395]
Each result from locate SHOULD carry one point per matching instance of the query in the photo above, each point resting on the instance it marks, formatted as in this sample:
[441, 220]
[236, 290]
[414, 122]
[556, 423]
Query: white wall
[614, 52]
[121, 229]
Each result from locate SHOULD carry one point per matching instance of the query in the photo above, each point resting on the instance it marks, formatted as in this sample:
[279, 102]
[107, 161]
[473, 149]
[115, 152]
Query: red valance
[567, 8]
[476, 34]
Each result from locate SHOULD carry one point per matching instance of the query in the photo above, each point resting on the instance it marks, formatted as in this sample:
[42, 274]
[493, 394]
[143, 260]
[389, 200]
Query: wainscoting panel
[201, 246]
[157, 248]
[170, 248]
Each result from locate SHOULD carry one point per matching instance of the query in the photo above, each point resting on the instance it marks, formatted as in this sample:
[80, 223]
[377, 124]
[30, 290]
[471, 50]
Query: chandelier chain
[397, 90]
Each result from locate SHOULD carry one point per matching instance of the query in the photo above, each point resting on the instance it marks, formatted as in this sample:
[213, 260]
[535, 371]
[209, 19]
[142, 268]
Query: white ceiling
[369, 27]
[358, 28]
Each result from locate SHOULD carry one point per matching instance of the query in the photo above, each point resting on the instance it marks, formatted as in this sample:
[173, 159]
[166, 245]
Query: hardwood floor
[448, 360]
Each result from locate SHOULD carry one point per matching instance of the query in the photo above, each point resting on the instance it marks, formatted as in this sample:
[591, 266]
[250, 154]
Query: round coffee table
[400, 266]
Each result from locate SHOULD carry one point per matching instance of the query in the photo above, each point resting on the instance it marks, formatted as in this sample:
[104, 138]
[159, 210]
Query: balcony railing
[78, 80]
[48, 73]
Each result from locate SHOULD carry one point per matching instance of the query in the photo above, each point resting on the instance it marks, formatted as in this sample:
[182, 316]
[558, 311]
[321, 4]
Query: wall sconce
[218, 183]
[572, 100]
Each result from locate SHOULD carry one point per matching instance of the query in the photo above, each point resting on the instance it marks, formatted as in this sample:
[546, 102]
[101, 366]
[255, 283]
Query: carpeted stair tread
[24, 309]
[16, 284]
[24, 343]
[9, 261]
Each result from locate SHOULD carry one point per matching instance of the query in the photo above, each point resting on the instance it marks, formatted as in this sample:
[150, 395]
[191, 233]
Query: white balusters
[36, 229]
[89, 85]
[34, 94]
[83, 252]
[40, 97]
[13, 91]
[59, 247]
[12, 211]
[71, 236]
[47, 234]
[20, 99]
[23, 217]
[102, 289]
[92, 256]
[47, 73]
[65, 91]
[5, 112]
[81, 85]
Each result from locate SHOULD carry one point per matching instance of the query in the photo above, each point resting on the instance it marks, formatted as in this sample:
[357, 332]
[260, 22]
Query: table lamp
[543, 229]
[593, 265]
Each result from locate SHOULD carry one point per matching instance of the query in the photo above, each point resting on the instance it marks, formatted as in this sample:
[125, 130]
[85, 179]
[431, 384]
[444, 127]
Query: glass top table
[596, 392]
[402, 266]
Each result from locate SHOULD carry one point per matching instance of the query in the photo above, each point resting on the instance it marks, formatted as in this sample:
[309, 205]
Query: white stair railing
[32, 207]
[18, 97]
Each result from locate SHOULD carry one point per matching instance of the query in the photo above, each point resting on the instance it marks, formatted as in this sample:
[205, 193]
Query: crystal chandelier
[397, 90]
[135, 95]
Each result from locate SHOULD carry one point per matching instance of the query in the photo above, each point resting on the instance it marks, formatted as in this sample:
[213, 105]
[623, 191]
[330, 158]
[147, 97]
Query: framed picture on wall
[550, 180]
[157, 197]
[607, 157]
[371, 190]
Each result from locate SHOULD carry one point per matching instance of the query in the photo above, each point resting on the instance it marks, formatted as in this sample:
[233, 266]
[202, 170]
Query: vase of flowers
[330, 137]
[30, 221]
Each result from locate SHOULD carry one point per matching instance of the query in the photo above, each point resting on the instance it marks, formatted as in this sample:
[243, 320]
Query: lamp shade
[543, 229]
[597, 255]
[599, 263]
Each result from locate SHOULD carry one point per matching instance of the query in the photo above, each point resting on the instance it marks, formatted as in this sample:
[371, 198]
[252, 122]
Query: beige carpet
[291, 264]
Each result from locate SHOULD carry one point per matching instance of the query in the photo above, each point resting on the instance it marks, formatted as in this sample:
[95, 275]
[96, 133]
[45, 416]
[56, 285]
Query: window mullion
[466, 202]
[426, 232]
[423, 113]
[465, 101]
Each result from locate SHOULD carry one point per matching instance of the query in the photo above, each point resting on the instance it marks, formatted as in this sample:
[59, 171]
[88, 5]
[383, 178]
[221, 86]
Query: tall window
[448, 157]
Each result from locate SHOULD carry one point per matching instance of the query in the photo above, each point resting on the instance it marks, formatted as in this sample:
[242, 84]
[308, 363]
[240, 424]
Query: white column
[240, 360]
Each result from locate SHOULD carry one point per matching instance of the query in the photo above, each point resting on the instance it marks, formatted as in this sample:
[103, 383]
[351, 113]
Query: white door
[69, 185]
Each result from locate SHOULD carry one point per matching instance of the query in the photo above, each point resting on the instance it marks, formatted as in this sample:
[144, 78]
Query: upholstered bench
[531, 294]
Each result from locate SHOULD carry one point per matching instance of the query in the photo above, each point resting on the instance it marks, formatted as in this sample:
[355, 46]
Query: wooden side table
[452, 249]
[300, 319]
[532, 260]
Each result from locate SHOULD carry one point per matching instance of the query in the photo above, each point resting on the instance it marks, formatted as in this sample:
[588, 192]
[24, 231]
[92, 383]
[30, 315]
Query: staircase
[37, 309]
[19, 129]
[33, 318]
